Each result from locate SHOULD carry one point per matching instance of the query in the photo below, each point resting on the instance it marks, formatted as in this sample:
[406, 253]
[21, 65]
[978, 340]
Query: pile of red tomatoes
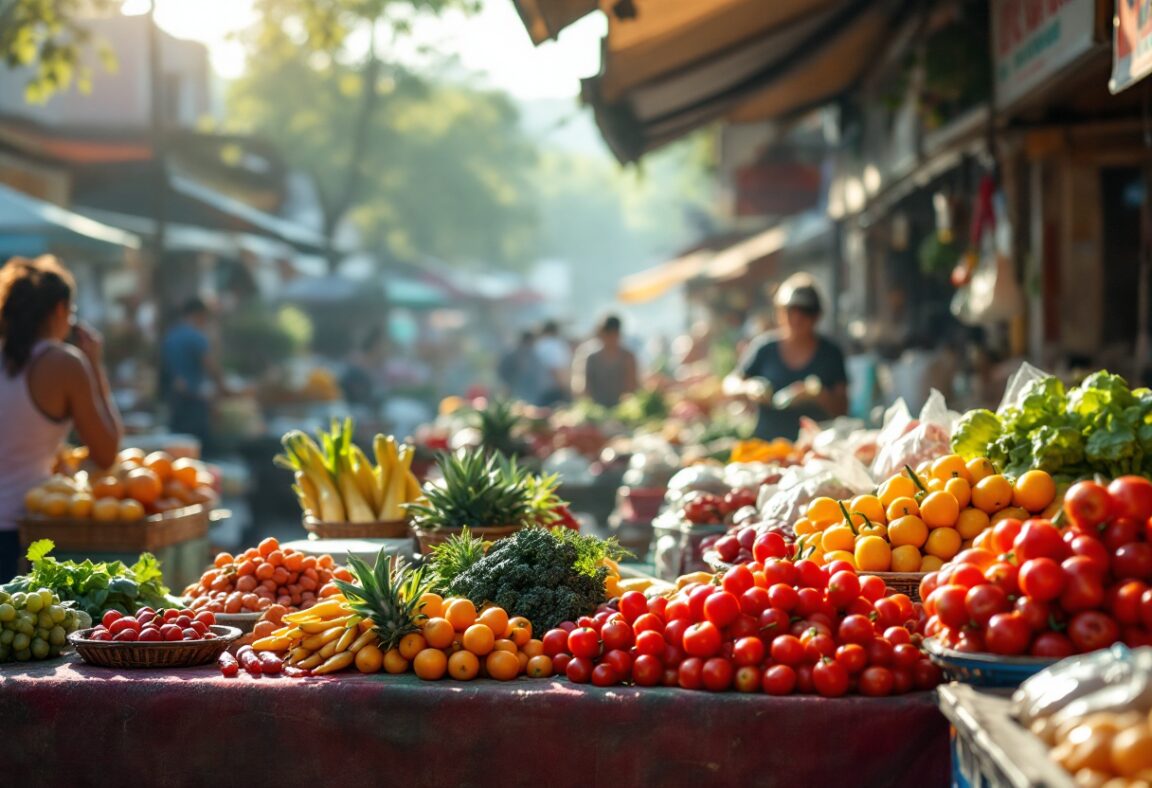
[1053, 590]
[770, 626]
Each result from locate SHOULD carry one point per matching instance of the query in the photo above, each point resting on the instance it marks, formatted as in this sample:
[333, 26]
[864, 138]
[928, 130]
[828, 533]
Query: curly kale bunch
[546, 576]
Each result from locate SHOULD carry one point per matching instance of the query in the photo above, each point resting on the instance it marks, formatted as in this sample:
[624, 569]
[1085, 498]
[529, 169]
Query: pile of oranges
[457, 641]
[918, 520]
[137, 485]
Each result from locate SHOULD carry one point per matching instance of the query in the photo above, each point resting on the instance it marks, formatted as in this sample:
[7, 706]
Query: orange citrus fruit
[393, 662]
[495, 619]
[992, 493]
[519, 630]
[1034, 490]
[463, 666]
[939, 510]
[533, 648]
[160, 463]
[461, 613]
[439, 632]
[430, 664]
[430, 605]
[369, 659]
[502, 665]
[873, 554]
[539, 667]
[143, 485]
[411, 645]
[943, 543]
[908, 531]
[503, 644]
[479, 639]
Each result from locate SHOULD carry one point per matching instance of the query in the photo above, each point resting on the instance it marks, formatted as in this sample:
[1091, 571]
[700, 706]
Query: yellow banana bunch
[336, 481]
[323, 639]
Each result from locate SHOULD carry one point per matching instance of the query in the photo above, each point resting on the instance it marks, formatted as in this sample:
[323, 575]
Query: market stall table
[69, 723]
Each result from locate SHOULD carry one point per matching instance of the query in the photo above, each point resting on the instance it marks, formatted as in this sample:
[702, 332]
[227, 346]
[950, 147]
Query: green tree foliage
[47, 36]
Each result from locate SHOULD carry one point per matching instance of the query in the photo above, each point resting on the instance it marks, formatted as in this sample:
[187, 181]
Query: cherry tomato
[970, 642]
[1042, 579]
[633, 604]
[889, 612]
[928, 584]
[560, 663]
[1135, 637]
[809, 574]
[1091, 548]
[739, 579]
[1084, 589]
[783, 596]
[809, 601]
[856, 629]
[860, 607]
[702, 640]
[1039, 539]
[1087, 505]
[901, 681]
[717, 675]
[880, 652]
[617, 635]
[1131, 497]
[621, 662]
[804, 684]
[830, 678]
[1008, 634]
[853, 657]
[691, 673]
[584, 642]
[780, 571]
[1004, 534]
[1124, 601]
[967, 575]
[875, 682]
[647, 671]
[948, 602]
[647, 642]
[897, 635]
[817, 646]
[674, 632]
[648, 622]
[873, 588]
[604, 675]
[658, 606]
[843, 588]
[754, 601]
[1122, 531]
[1091, 630]
[926, 676]
[671, 677]
[747, 679]
[769, 545]
[983, 602]
[1035, 613]
[1053, 645]
[1132, 561]
[578, 670]
[696, 598]
[748, 651]
[1004, 576]
[779, 680]
[1146, 609]
[905, 655]
[773, 622]
[787, 650]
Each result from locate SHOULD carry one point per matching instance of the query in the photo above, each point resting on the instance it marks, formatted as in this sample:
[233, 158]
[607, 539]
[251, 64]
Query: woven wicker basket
[245, 622]
[901, 582]
[149, 534]
[381, 529]
[162, 654]
[429, 538]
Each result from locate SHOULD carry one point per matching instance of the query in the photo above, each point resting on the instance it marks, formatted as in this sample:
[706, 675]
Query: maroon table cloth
[66, 723]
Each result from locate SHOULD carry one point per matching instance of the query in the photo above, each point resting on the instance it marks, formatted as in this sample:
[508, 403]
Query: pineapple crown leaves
[452, 558]
[477, 490]
[387, 594]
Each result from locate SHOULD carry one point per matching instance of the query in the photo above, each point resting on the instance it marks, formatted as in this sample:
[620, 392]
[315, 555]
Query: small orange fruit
[439, 632]
[430, 664]
[943, 543]
[479, 639]
[992, 493]
[503, 644]
[105, 510]
[502, 665]
[411, 645]
[107, 487]
[533, 648]
[959, 489]
[1034, 490]
[520, 630]
[930, 563]
[905, 558]
[897, 487]
[129, 510]
[495, 619]
[902, 507]
[185, 471]
[160, 463]
[143, 485]
[939, 510]
[461, 613]
[539, 666]
[523, 658]
[873, 554]
[131, 455]
[393, 662]
[951, 466]
[869, 506]
[972, 522]
[463, 666]
[908, 531]
[823, 510]
[979, 468]
[55, 504]
[430, 605]
[369, 659]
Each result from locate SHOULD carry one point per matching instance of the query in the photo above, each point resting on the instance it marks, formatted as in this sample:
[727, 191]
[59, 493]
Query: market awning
[30, 227]
[744, 60]
[735, 261]
[658, 280]
[544, 19]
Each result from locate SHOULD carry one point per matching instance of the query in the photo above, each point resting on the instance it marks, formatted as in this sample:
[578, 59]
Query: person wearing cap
[793, 371]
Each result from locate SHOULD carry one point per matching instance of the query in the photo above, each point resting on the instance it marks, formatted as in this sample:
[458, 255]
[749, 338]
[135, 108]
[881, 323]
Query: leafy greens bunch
[1101, 426]
[94, 587]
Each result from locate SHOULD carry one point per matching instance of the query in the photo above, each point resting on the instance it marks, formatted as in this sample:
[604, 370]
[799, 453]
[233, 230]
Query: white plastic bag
[1021, 378]
[928, 439]
[785, 503]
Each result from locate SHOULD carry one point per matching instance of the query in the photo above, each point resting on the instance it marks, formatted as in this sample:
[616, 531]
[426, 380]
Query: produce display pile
[35, 625]
[152, 626]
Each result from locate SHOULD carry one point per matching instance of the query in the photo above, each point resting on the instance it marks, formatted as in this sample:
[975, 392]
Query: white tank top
[29, 441]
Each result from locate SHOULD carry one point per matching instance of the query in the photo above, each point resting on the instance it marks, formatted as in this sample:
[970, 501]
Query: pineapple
[388, 595]
[477, 491]
[498, 425]
[454, 557]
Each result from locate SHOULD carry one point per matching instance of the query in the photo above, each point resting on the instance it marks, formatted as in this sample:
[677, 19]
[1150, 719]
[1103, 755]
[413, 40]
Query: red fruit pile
[1053, 592]
[153, 626]
[772, 627]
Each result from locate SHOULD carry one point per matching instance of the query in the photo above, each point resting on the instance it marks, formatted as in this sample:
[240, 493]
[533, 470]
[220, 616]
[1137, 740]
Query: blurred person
[523, 372]
[363, 378]
[556, 354]
[53, 379]
[190, 373]
[793, 371]
[605, 370]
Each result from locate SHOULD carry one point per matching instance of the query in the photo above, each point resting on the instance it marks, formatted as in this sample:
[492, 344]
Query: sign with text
[1131, 43]
[1035, 39]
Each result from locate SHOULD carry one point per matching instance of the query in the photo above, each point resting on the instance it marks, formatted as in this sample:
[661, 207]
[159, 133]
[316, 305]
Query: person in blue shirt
[190, 374]
[794, 371]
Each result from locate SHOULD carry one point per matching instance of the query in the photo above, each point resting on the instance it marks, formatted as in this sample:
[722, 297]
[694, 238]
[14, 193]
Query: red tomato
[817, 646]
[647, 671]
[696, 598]
[1008, 634]
[809, 601]
[970, 642]
[124, 624]
[742, 627]
[853, 657]
[172, 632]
[889, 613]
[901, 681]
[928, 584]
[1122, 531]
[830, 678]
[1146, 609]
[787, 650]
[804, 684]
[905, 655]
[897, 635]
[584, 642]
[926, 676]
[1053, 645]
[560, 663]
[1124, 601]
[648, 622]
[1087, 505]
[722, 608]
[691, 673]
[578, 670]
[875, 682]
[648, 642]
[967, 575]
[1090, 547]
[1132, 561]
[658, 606]
[1039, 539]
[671, 677]
[860, 607]
[809, 574]
[754, 601]
[747, 679]
[769, 545]
[1132, 637]
[778, 680]
[880, 652]
[111, 617]
[783, 596]
[843, 588]
[673, 656]
[748, 651]
[1085, 588]
[717, 675]
[856, 629]
[1131, 497]
[773, 622]
[1092, 630]
[604, 675]
[1004, 534]
[633, 604]
[617, 635]
[873, 588]
[702, 640]
[1042, 579]
[780, 571]
[983, 602]
[738, 579]
[678, 609]
[674, 632]
[621, 662]
[1035, 613]
[1005, 576]
[948, 602]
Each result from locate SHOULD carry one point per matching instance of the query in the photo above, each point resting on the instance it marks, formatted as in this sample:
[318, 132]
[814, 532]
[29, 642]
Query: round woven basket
[245, 622]
[161, 654]
[984, 670]
[429, 538]
[381, 529]
[901, 582]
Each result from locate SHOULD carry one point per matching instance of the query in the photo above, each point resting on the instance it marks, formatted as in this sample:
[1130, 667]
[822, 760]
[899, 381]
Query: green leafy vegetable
[975, 430]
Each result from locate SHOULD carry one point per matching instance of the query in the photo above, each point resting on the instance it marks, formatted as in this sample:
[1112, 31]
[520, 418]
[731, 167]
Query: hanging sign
[1131, 43]
[1035, 39]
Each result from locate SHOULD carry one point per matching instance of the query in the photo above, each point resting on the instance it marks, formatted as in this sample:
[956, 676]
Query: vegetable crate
[989, 748]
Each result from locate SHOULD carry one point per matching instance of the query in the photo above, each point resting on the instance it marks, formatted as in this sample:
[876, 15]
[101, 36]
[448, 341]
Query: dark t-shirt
[762, 360]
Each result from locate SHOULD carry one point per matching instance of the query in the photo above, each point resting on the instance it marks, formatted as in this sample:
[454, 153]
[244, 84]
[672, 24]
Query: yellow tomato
[905, 558]
[992, 493]
[943, 543]
[868, 505]
[972, 522]
[979, 468]
[908, 531]
[838, 537]
[951, 466]
[902, 507]
[824, 511]
[873, 554]
[1033, 491]
[930, 563]
[896, 487]
[1013, 512]
[939, 510]
[959, 489]
[839, 555]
